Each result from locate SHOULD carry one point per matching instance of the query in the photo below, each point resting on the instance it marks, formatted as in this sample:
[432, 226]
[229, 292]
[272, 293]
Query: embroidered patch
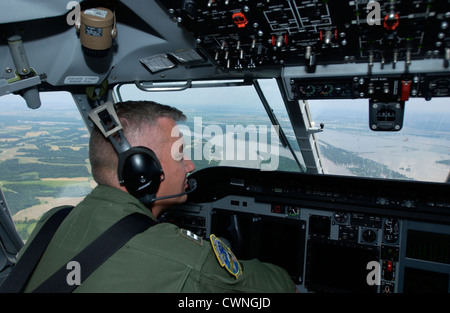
[226, 257]
[191, 236]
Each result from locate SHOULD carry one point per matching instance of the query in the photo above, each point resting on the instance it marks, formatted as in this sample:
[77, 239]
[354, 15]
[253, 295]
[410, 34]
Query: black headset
[139, 170]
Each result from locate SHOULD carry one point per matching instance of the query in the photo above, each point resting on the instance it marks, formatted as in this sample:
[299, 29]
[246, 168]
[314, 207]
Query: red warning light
[239, 19]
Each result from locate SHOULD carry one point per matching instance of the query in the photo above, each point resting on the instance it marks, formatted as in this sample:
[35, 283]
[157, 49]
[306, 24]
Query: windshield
[347, 145]
[227, 125]
[419, 151]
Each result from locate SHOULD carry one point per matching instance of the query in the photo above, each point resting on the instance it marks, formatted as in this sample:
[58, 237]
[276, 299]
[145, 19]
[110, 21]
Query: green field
[42, 159]
[24, 228]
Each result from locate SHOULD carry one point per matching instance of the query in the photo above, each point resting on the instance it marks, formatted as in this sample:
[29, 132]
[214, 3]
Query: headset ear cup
[140, 171]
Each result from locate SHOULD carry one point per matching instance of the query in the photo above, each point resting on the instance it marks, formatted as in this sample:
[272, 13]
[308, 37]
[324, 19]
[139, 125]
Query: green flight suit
[160, 259]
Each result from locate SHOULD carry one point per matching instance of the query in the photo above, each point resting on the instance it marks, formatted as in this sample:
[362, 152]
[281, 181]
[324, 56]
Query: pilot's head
[151, 125]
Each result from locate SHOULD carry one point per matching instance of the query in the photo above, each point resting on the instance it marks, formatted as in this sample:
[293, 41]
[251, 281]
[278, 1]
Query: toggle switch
[405, 90]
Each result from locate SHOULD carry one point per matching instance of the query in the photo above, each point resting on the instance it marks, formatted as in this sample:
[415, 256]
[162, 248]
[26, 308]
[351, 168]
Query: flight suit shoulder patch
[191, 236]
[226, 257]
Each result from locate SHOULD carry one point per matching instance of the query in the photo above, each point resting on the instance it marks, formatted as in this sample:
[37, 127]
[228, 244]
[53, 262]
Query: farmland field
[43, 161]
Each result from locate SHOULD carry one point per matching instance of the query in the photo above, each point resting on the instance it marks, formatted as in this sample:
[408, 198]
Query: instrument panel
[241, 34]
[375, 87]
[385, 51]
[328, 239]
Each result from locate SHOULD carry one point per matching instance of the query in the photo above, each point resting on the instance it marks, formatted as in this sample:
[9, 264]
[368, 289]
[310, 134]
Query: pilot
[163, 258]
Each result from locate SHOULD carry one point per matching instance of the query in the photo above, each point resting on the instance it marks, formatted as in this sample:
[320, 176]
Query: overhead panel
[240, 35]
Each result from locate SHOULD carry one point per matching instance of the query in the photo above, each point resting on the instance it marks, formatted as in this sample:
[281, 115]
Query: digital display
[278, 241]
[428, 246]
[333, 266]
[319, 225]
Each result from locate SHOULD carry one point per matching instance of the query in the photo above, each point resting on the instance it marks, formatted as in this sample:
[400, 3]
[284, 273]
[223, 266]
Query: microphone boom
[192, 186]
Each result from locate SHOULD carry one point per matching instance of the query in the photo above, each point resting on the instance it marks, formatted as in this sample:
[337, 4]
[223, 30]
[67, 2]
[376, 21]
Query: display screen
[334, 266]
[417, 280]
[428, 246]
[279, 241]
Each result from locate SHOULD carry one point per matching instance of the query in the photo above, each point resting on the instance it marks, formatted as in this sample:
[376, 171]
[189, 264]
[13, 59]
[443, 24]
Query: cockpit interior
[320, 130]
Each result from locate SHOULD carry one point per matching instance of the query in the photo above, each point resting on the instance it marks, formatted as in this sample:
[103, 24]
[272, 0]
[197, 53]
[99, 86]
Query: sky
[64, 100]
[49, 100]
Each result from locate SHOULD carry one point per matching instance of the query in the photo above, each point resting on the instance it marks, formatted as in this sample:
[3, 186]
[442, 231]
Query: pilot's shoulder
[44, 218]
[170, 241]
[53, 211]
[191, 236]
[171, 234]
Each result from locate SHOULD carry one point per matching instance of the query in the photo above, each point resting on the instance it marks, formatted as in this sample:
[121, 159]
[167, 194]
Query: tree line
[11, 170]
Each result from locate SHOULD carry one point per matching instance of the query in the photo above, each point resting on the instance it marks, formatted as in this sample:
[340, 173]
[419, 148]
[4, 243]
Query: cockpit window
[419, 151]
[227, 124]
[43, 157]
[220, 115]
